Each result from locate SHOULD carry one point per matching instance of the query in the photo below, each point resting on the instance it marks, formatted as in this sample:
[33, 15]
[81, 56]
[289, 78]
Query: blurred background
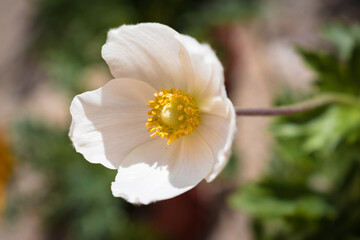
[292, 177]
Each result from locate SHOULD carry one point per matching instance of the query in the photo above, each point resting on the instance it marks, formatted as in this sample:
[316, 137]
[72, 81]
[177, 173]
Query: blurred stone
[48, 104]
[18, 76]
[286, 66]
[96, 76]
[27, 227]
[232, 226]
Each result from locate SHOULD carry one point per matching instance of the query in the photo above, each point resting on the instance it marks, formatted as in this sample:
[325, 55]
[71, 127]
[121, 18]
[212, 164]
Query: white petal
[217, 127]
[148, 52]
[155, 171]
[204, 72]
[109, 122]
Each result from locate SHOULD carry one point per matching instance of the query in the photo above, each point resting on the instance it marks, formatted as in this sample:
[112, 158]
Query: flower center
[173, 114]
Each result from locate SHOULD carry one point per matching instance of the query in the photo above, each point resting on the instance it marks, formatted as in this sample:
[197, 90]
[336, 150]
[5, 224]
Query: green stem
[299, 107]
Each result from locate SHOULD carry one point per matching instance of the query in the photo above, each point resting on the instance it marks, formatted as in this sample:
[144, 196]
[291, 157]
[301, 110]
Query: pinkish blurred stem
[299, 107]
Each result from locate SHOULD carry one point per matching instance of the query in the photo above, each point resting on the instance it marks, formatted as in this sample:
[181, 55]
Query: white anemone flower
[165, 121]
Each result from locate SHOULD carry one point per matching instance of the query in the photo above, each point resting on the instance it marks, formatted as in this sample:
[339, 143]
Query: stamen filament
[174, 114]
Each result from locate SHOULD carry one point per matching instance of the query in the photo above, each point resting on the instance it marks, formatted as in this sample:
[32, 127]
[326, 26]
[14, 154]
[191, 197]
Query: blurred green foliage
[75, 200]
[312, 187]
[337, 72]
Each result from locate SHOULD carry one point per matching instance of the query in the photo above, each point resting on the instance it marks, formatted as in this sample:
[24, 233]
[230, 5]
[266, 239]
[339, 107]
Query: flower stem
[299, 107]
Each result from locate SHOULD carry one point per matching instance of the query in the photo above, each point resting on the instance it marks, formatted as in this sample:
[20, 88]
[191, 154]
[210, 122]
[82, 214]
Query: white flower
[165, 122]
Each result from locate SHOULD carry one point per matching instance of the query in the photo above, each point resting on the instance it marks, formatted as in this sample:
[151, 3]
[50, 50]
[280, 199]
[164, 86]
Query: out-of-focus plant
[312, 187]
[73, 203]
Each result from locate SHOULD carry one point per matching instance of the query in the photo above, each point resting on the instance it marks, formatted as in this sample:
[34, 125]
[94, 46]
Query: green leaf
[329, 129]
[264, 203]
[340, 35]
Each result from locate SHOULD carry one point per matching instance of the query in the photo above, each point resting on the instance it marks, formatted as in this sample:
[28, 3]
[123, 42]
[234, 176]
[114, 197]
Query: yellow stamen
[174, 114]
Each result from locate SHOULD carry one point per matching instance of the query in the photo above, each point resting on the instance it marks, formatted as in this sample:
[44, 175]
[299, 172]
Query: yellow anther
[174, 114]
